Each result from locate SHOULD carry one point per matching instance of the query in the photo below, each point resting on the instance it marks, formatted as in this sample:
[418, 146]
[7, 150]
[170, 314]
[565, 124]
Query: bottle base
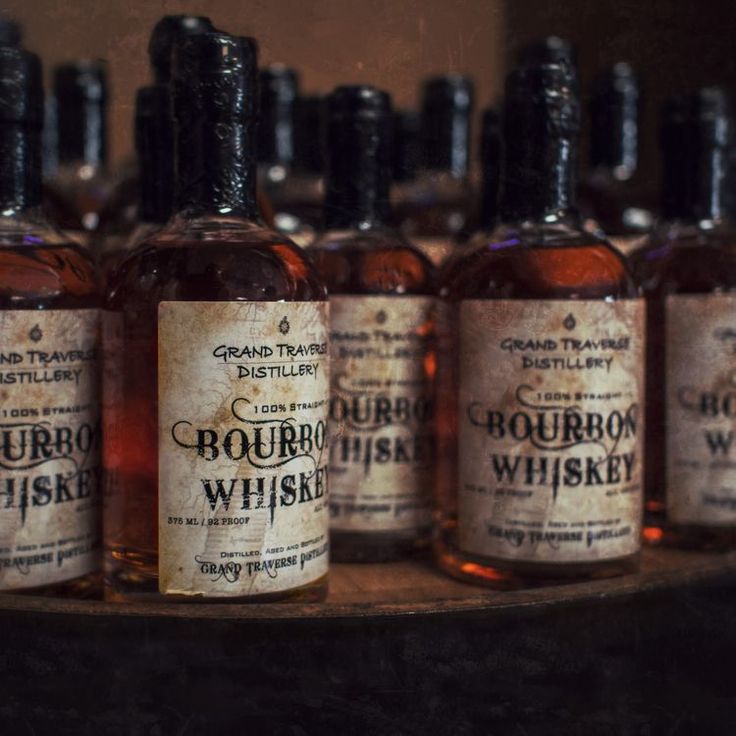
[375, 547]
[701, 538]
[133, 578]
[513, 575]
[85, 587]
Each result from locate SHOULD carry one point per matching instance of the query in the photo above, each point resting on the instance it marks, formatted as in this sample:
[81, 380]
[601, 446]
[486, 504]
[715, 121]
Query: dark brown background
[676, 44]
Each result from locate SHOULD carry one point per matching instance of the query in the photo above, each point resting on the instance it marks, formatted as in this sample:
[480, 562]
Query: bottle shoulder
[379, 261]
[227, 260]
[539, 262]
[685, 258]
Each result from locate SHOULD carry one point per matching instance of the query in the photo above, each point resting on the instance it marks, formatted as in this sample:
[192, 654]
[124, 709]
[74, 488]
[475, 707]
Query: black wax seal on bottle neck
[696, 138]
[447, 106]
[155, 149]
[215, 106]
[490, 157]
[309, 126]
[614, 118]
[541, 125]
[169, 31]
[406, 145]
[21, 120]
[80, 89]
[359, 153]
[279, 87]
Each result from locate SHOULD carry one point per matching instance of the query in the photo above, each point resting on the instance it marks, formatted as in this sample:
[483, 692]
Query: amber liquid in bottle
[212, 251]
[382, 329]
[530, 289]
[688, 272]
[49, 301]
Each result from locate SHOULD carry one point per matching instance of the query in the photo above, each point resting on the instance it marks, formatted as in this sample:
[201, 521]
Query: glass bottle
[688, 270]
[549, 369]
[432, 211]
[49, 343]
[216, 383]
[382, 348]
[612, 196]
[406, 153]
[82, 183]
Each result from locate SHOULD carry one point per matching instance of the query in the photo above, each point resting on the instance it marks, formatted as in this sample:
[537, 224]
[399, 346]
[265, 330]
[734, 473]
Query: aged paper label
[49, 446]
[381, 412]
[437, 249]
[243, 400]
[550, 429]
[701, 408]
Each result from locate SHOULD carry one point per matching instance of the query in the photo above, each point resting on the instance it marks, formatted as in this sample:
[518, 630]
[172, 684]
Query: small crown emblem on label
[381, 317]
[35, 334]
[569, 322]
[284, 326]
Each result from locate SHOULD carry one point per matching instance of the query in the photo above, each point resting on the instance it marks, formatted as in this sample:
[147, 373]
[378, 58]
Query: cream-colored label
[243, 400]
[437, 249]
[381, 409]
[49, 446]
[550, 429]
[701, 408]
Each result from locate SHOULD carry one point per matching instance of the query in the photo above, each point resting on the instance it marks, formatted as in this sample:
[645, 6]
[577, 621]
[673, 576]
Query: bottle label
[243, 392]
[550, 429]
[437, 248]
[701, 408]
[381, 410]
[50, 452]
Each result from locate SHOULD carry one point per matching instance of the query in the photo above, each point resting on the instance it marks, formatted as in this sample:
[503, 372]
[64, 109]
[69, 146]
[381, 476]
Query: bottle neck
[539, 179]
[20, 174]
[156, 184]
[358, 183]
[445, 137]
[82, 132]
[614, 141]
[216, 163]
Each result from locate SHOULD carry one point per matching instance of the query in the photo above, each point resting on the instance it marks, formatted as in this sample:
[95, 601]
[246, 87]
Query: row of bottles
[506, 394]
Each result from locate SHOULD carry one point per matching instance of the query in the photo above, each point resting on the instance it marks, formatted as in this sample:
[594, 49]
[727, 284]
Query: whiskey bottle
[154, 148]
[613, 198]
[216, 382]
[381, 329]
[49, 342]
[549, 365]
[82, 182]
[688, 270]
[432, 211]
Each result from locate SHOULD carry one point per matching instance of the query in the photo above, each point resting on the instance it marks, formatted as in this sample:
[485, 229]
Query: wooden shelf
[410, 588]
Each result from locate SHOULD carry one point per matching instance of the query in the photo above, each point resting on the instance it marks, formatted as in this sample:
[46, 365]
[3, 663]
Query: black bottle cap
[710, 109]
[541, 122]
[549, 50]
[154, 146]
[359, 121]
[309, 125]
[11, 33]
[490, 157]
[215, 103]
[614, 116]
[279, 86]
[543, 97]
[166, 34]
[81, 81]
[447, 105]
[21, 87]
[406, 145]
